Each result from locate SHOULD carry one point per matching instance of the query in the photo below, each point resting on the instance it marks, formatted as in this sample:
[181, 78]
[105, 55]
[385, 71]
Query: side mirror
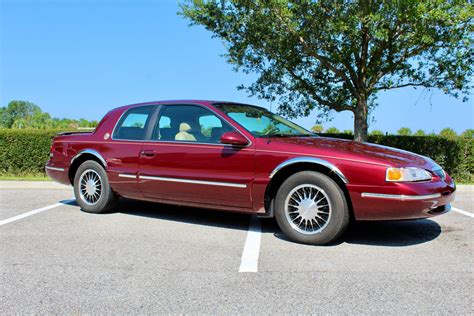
[234, 138]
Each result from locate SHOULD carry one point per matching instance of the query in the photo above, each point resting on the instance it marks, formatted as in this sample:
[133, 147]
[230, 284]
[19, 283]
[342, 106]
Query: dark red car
[243, 158]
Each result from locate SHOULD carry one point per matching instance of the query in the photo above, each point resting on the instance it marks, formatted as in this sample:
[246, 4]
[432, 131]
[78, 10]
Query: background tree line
[23, 114]
[403, 131]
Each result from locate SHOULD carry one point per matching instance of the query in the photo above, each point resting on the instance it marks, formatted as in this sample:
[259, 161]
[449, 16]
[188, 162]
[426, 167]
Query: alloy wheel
[308, 209]
[90, 186]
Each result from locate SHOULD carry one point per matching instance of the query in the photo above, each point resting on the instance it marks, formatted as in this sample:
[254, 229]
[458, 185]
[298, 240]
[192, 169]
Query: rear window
[134, 123]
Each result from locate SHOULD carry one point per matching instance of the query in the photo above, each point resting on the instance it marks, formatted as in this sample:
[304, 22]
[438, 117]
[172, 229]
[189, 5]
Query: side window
[207, 123]
[133, 124]
[189, 123]
[164, 122]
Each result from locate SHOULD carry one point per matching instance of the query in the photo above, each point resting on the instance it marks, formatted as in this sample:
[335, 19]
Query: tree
[2, 110]
[420, 132]
[18, 113]
[270, 129]
[376, 132]
[448, 133]
[332, 130]
[337, 55]
[404, 131]
[469, 133]
[347, 131]
[318, 128]
[24, 114]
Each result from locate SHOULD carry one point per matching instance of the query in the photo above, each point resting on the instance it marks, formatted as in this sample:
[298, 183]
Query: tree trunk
[360, 121]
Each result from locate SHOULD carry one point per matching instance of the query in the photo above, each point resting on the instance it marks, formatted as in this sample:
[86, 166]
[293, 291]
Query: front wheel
[311, 208]
[92, 189]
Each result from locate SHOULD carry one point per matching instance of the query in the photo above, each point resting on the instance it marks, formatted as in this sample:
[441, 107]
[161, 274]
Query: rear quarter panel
[120, 156]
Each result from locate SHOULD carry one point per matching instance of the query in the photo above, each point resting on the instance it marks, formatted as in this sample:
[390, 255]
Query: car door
[124, 149]
[185, 161]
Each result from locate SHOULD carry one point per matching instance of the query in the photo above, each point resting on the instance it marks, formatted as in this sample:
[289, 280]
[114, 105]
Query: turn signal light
[394, 174]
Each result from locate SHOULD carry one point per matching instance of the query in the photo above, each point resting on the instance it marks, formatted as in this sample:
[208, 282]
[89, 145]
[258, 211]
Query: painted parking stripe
[249, 261]
[21, 216]
[463, 212]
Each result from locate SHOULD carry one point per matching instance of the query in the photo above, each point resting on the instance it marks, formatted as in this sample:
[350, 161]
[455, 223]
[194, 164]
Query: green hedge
[455, 155]
[24, 152]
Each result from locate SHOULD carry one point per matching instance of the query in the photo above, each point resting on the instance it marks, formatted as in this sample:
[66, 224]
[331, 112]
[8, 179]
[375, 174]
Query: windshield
[261, 122]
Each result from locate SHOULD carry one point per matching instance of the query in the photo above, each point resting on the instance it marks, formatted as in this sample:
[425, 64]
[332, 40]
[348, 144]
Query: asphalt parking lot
[152, 258]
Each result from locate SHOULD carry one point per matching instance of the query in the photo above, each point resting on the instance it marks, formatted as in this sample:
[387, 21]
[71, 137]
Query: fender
[91, 152]
[312, 160]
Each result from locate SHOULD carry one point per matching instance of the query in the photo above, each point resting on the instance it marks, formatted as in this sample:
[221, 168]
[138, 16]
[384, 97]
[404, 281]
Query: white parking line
[462, 212]
[249, 261]
[18, 217]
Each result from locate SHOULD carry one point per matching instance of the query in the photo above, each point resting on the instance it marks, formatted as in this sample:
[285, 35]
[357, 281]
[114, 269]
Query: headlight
[409, 174]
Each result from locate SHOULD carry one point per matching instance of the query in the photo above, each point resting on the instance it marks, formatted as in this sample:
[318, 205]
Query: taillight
[53, 147]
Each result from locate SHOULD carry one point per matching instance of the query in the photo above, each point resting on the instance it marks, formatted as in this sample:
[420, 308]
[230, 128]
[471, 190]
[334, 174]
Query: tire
[297, 216]
[103, 198]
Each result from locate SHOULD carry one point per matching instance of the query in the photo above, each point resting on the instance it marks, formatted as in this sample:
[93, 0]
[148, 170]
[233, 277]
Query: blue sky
[81, 58]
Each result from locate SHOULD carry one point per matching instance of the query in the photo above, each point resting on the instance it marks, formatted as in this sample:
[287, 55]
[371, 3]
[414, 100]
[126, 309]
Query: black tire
[106, 200]
[338, 209]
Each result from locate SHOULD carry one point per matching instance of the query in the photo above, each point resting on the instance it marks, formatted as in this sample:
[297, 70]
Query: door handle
[147, 153]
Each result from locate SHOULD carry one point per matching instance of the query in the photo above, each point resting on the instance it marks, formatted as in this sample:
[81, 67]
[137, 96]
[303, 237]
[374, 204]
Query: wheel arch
[81, 157]
[294, 165]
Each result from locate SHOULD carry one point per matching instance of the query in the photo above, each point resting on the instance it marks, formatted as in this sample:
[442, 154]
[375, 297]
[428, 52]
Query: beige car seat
[183, 133]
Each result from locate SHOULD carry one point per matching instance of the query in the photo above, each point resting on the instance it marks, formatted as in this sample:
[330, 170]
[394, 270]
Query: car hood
[347, 149]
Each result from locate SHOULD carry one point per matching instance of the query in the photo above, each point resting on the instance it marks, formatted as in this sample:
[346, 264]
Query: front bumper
[402, 201]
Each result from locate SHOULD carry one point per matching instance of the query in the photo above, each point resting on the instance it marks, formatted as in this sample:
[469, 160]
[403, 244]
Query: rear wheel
[92, 189]
[311, 208]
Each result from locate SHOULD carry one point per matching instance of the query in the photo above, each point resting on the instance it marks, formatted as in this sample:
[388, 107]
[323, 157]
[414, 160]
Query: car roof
[184, 101]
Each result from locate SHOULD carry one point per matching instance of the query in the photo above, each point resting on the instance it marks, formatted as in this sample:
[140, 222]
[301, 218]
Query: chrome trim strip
[54, 168]
[125, 175]
[222, 184]
[92, 152]
[317, 161]
[400, 197]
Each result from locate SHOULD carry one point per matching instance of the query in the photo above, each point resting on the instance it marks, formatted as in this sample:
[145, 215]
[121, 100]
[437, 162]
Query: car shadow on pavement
[387, 233]
[393, 233]
[377, 233]
[184, 214]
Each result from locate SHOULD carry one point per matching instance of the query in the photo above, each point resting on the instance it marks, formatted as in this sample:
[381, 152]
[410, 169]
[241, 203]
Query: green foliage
[27, 115]
[455, 155]
[376, 132]
[332, 130]
[18, 114]
[469, 133]
[337, 55]
[404, 131]
[206, 131]
[270, 129]
[347, 131]
[25, 152]
[318, 128]
[448, 133]
[420, 132]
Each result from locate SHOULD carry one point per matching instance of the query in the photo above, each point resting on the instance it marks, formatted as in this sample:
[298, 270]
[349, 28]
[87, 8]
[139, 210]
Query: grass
[24, 177]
